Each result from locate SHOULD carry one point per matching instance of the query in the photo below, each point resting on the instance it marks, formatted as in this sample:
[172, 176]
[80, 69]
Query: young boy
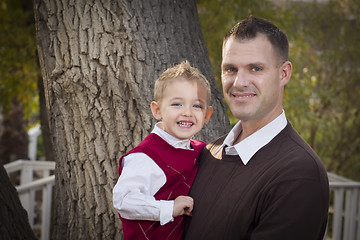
[155, 177]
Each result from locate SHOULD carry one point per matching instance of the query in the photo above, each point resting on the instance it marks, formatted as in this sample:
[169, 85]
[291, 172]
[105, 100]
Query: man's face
[252, 79]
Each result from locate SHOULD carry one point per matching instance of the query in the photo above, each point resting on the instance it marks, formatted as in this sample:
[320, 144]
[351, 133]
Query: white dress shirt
[140, 179]
[253, 143]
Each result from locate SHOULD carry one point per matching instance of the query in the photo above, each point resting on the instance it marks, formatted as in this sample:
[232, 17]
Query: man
[262, 180]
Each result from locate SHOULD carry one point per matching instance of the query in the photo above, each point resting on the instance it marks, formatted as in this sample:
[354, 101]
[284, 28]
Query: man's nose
[241, 79]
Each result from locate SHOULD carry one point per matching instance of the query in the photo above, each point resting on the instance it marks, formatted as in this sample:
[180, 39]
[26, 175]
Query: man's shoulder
[295, 157]
[298, 143]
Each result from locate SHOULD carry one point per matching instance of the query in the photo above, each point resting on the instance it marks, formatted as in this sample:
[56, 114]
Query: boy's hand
[183, 205]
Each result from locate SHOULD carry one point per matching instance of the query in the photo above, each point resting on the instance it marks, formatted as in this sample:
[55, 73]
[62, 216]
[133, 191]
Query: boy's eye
[197, 106]
[176, 104]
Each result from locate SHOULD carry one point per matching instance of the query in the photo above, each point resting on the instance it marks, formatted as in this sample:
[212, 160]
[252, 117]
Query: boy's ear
[208, 114]
[155, 109]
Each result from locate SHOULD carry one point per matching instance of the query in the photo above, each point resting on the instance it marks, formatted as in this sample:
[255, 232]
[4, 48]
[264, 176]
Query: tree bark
[99, 61]
[44, 120]
[14, 223]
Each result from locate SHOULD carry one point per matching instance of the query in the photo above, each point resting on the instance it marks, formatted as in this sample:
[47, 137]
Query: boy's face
[183, 109]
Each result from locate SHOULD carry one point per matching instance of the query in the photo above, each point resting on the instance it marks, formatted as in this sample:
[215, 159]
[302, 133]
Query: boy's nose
[187, 111]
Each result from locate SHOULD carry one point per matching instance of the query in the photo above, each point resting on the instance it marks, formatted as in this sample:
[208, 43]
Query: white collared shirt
[140, 180]
[253, 143]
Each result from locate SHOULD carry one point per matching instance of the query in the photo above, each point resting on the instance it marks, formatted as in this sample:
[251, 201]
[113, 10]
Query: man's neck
[251, 126]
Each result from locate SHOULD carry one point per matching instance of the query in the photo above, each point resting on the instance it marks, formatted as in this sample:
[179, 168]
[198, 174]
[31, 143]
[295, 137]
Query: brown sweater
[281, 194]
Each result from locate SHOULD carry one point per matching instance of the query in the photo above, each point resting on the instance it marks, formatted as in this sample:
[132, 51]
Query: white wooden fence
[35, 177]
[344, 212]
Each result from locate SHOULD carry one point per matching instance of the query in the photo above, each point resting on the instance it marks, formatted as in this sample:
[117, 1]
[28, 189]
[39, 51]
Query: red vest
[180, 167]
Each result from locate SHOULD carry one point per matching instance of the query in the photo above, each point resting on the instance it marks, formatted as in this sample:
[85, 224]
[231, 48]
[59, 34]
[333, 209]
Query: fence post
[27, 199]
[351, 213]
[338, 213]
[46, 212]
[33, 135]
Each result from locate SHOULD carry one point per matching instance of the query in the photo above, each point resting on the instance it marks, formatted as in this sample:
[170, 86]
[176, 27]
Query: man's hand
[183, 205]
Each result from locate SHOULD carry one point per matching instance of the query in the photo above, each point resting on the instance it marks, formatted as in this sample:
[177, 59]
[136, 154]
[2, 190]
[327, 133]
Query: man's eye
[256, 69]
[231, 70]
[228, 70]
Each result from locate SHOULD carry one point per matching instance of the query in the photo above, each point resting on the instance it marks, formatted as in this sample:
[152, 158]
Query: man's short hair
[250, 27]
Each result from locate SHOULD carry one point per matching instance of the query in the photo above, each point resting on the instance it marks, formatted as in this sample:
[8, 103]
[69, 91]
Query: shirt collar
[170, 139]
[253, 143]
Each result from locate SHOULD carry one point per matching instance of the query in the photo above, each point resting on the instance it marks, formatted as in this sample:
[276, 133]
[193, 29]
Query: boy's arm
[133, 194]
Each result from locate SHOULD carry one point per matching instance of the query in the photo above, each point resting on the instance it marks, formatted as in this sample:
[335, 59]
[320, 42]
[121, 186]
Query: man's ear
[208, 113]
[285, 72]
[155, 109]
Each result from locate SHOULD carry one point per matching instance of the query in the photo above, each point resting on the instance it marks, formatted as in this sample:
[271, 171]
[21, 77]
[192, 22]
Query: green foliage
[321, 100]
[331, 71]
[19, 70]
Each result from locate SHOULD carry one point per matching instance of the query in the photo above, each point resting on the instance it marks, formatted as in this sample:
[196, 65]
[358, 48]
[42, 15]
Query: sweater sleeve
[294, 210]
[133, 194]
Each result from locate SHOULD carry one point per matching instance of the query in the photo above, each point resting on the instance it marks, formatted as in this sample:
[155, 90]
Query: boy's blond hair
[184, 71]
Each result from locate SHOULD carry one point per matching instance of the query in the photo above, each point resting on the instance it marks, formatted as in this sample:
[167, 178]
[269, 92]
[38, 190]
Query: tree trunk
[99, 61]
[14, 223]
[44, 120]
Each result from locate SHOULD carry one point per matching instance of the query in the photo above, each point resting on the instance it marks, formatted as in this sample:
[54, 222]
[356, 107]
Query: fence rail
[344, 212]
[35, 176]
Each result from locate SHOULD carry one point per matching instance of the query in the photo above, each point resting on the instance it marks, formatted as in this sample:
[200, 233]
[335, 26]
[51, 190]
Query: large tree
[99, 60]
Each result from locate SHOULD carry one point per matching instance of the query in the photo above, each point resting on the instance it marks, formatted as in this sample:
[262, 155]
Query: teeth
[185, 124]
[247, 96]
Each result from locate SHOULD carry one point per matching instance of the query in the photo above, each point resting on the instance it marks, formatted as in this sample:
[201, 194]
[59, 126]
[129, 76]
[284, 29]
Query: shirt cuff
[166, 211]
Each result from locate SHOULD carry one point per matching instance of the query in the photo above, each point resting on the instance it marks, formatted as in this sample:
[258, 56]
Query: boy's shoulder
[197, 143]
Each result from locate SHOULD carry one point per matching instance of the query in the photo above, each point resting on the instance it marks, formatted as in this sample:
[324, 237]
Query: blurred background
[322, 99]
